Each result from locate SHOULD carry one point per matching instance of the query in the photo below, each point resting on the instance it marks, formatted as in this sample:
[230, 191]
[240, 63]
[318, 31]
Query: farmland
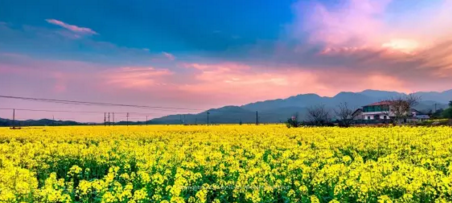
[225, 163]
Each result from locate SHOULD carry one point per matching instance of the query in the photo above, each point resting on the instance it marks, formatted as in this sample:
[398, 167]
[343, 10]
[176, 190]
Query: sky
[205, 54]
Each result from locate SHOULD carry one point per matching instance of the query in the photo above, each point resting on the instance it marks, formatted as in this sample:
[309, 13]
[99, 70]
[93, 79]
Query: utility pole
[127, 119]
[435, 108]
[109, 118]
[14, 118]
[196, 121]
[105, 119]
[257, 118]
[208, 119]
[113, 118]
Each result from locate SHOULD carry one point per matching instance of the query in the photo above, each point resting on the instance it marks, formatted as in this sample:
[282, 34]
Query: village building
[358, 114]
[381, 112]
[377, 111]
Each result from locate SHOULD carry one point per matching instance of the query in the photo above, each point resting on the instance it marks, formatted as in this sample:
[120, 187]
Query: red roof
[381, 103]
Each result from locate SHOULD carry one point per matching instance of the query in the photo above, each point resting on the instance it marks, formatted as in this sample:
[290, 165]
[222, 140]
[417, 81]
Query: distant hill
[279, 110]
[440, 97]
[227, 114]
[41, 122]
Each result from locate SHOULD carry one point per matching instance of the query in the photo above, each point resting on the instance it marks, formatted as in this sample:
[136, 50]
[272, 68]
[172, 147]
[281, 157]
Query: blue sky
[170, 26]
[232, 52]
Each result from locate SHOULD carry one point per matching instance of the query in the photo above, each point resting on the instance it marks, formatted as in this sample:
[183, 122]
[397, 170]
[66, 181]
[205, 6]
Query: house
[381, 112]
[358, 114]
[377, 111]
[417, 116]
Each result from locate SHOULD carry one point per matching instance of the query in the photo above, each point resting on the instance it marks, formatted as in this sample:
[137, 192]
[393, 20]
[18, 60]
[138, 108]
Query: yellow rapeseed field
[226, 163]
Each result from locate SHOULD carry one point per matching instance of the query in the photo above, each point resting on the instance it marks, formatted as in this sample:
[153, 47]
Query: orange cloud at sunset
[135, 77]
[403, 45]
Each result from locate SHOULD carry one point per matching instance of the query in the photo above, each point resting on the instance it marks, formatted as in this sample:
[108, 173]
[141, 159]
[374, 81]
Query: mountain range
[40, 122]
[278, 110]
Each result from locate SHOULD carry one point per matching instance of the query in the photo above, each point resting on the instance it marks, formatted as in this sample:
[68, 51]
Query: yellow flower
[229, 162]
[314, 199]
[201, 196]
[384, 199]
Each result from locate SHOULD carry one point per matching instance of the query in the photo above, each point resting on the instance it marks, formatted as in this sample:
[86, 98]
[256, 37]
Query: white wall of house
[373, 116]
[379, 113]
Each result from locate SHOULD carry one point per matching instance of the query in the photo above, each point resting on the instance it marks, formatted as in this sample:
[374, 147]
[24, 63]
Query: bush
[293, 122]
[434, 122]
[447, 113]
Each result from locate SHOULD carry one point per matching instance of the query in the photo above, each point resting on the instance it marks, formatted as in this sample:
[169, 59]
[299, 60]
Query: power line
[72, 102]
[246, 117]
[65, 111]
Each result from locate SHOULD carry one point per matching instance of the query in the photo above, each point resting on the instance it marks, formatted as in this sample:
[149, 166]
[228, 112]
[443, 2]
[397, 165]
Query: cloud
[371, 23]
[169, 56]
[355, 22]
[135, 77]
[240, 83]
[45, 76]
[358, 38]
[73, 28]
[48, 41]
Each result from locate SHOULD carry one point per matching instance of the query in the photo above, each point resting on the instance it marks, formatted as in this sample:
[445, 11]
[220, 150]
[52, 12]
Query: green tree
[450, 103]
[437, 114]
[447, 113]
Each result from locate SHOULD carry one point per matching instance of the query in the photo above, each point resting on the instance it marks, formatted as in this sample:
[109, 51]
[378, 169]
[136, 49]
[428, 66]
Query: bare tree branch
[318, 114]
[401, 106]
[344, 113]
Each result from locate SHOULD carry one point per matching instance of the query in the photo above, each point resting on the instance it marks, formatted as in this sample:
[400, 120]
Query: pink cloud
[385, 82]
[412, 49]
[135, 77]
[362, 23]
[238, 83]
[225, 82]
[342, 79]
[169, 56]
[73, 28]
[57, 76]
[225, 66]
[235, 83]
[356, 22]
